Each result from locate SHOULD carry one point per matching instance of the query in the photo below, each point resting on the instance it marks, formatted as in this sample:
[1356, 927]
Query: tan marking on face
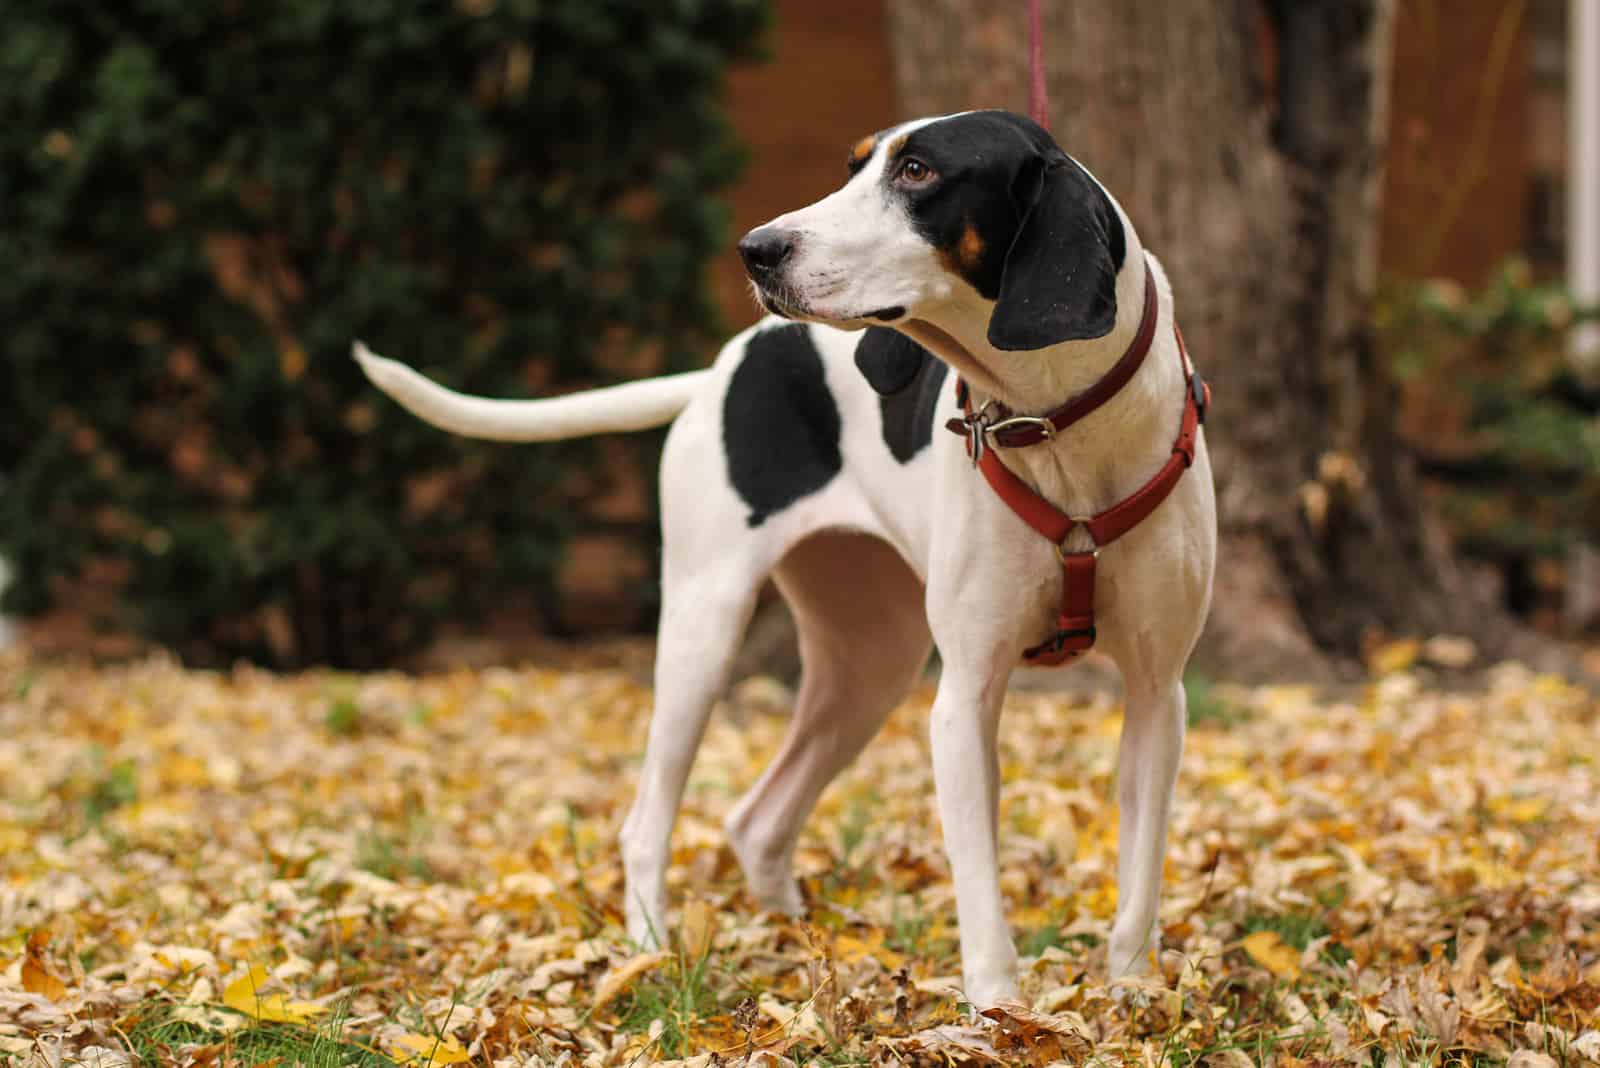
[962, 258]
[970, 249]
[863, 148]
[896, 145]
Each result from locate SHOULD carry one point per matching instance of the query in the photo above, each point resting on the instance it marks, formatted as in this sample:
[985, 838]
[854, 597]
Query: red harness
[996, 425]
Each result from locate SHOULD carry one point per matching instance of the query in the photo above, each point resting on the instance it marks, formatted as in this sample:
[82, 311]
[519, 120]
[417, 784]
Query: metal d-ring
[1061, 550]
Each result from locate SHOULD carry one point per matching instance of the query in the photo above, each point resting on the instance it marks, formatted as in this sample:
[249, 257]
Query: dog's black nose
[765, 248]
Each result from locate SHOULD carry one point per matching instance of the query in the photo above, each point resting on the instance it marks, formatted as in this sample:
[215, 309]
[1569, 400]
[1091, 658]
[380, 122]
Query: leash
[1038, 103]
[994, 423]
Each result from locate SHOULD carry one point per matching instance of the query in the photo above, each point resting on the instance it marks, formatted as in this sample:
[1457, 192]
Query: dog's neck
[1089, 466]
[1037, 381]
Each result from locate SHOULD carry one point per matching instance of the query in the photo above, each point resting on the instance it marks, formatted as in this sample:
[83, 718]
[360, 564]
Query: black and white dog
[807, 452]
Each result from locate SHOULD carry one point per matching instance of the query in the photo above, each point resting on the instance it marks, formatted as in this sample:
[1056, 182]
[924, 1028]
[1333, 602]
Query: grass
[1298, 929]
[680, 995]
[1051, 936]
[395, 853]
[114, 787]
[343, 717]
[1208, 707]
[240, 842]
[154, 1038]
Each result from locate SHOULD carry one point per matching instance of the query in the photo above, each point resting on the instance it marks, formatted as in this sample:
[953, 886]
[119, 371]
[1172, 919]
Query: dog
[965, 246]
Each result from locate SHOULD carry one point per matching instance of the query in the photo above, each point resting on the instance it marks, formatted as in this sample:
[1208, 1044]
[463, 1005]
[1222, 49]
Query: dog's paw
[647, 927]
[987, 993]
[1130, 958]
[767, 870]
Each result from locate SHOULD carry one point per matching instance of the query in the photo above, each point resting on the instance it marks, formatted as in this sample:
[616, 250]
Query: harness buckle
[1046, 427]
[980, 430]
[977, 426]
[1201, 394]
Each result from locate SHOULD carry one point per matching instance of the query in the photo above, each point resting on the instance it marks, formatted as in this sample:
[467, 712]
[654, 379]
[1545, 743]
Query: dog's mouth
[788, 306]
[783, 309]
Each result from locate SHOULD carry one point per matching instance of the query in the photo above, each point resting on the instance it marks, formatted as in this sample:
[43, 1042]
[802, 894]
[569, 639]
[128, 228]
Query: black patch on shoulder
[888, 360]
[780, 424]
[908, 414]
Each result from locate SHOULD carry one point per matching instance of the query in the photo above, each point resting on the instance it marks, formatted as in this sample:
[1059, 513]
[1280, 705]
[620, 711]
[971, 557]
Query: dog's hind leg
[863, 641]
[703, 617]
[1147, 771]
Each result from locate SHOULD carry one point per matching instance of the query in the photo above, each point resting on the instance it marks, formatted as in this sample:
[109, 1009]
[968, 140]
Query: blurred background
[1382, 220]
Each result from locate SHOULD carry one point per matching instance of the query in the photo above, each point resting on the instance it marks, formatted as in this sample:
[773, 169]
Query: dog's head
[982, 202]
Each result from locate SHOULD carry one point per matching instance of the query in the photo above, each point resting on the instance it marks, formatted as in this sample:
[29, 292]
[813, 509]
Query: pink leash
[1038, 103]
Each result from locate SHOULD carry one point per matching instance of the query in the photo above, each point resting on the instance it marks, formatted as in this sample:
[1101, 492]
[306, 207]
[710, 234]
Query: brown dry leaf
[1450, 651]
[1229, 1058]
[1038, 1038]
[952, 1043]
[1587, 1046]
[451, 868]
[1527, 1058]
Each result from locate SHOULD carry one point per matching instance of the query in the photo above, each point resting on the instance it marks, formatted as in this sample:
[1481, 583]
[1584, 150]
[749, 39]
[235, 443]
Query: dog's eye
[914, 172]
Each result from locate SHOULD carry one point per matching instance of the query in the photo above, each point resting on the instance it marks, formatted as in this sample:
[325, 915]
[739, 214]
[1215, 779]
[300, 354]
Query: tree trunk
[1245, 140]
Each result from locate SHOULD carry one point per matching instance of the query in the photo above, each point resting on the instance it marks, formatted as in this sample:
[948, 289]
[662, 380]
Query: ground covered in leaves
[241, 868]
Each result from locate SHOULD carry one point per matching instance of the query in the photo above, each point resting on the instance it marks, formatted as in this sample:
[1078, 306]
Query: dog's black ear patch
[1059, 282]
[908, 414]
[780, 424]
[889, 360]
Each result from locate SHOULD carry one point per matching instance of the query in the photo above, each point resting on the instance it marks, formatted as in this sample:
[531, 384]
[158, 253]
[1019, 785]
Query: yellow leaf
[1522, 810]
[37, 980]
[1270, 951]
[245, 995]
[698, 928]
[36, 976]
[1391, 657]
[292, 361]
[425, 1050]
[849, 949]
[621, 977]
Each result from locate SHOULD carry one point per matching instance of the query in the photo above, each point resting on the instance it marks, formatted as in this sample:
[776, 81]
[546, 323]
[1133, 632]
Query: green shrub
[201, 205]
[1511, 437]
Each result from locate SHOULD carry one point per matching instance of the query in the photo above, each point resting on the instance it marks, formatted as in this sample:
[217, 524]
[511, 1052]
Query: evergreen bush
[201, 205]
[1505, 420]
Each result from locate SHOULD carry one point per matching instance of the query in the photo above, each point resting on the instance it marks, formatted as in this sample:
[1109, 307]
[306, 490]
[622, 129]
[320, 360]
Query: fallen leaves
[1267, 949]
[195, 860]
[618, 979]
[426, 1050]
[249, 994]
[36, 975]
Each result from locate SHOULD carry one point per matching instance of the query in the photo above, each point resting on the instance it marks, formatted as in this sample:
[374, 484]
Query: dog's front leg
[966, 768]
[1147, 771]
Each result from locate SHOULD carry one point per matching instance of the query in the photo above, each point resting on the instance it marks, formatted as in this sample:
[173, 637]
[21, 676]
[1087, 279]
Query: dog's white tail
[630, 406]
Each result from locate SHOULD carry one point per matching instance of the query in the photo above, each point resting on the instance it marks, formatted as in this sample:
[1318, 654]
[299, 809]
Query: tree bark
[1246, 141]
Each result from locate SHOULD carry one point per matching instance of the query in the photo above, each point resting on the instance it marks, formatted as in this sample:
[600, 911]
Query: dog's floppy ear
[889, 360]
[1059, 282]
